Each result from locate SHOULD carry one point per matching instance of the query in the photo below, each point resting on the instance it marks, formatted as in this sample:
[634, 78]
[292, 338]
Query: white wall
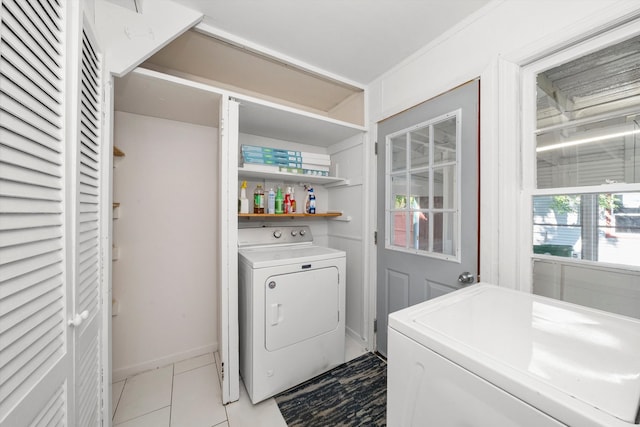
[501, 28]
[515, 30]
[165, 277]
[347, 233]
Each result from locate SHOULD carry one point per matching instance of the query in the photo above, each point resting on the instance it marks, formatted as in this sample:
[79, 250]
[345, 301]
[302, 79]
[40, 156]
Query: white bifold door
[51, 196]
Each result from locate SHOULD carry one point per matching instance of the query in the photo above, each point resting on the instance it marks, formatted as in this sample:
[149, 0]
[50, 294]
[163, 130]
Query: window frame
[389, 173]
[528, 86]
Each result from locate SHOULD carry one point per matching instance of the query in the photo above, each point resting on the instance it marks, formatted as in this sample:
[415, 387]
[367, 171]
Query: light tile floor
[187, 394]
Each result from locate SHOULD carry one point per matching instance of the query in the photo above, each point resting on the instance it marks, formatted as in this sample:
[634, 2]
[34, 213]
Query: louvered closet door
[50, 192]
[88, 250]
[35, 344]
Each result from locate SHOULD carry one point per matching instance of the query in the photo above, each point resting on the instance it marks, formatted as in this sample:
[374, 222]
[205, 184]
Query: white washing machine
[490, 356]
[292, 299]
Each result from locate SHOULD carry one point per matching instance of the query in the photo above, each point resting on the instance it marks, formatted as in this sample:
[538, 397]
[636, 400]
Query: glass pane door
[423, 179]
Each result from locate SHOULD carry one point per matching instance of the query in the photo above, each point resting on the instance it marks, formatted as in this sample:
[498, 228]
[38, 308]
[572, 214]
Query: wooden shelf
[292, 216]
[117, 152]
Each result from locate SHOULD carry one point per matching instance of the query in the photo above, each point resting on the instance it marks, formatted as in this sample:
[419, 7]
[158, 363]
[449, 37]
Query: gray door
[427, 202]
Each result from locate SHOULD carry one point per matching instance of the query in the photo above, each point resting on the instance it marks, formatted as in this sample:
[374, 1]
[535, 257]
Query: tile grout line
[173, 370]
[142, 415]
[113, 417]
[193, 369]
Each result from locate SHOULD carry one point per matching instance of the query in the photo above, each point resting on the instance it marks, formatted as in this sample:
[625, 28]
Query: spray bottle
[310, 205]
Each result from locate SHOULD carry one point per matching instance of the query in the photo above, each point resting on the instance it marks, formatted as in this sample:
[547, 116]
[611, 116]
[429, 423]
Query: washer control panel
[274, 235]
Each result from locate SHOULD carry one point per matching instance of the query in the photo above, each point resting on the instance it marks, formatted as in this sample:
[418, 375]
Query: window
[586, 199]
[422, 175]
[601, 227]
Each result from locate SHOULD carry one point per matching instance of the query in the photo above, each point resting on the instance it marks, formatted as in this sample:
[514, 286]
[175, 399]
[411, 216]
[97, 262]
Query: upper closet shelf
[284, 123]
[291, 177]
[161, 95]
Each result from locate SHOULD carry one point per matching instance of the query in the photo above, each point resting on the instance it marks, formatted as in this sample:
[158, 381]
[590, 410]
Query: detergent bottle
[279, 207]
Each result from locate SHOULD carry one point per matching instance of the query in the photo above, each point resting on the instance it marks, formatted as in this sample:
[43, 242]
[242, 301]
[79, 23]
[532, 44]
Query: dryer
[491, 356]
[291, 308]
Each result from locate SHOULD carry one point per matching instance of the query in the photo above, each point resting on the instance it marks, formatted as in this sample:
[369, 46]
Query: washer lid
[273, 256]
[533, 343]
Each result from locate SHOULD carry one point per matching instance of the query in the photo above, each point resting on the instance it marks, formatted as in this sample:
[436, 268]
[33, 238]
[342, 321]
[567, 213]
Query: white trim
[509, 174]
[591, 41]
[228, 275]
[107, 239]
[233, 371]
[590, 189]
[489, 203]
[178, 80]
[369, 226]
[72, 96]
[593, 265]
[131, 370]
[369, 264]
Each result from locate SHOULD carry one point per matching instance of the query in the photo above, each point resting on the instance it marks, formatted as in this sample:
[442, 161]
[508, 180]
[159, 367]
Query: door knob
[78, 318]
[466, 278]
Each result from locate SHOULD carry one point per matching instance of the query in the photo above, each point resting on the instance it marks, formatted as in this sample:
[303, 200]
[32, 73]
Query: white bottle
[244, 202]
[271, 202]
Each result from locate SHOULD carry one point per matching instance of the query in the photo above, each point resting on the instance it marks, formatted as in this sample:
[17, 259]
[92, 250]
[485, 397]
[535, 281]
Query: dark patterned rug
[352, 394]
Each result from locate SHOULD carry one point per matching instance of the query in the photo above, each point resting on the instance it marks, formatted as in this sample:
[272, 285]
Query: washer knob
[294, 233]
[277, 234]
[302, 232]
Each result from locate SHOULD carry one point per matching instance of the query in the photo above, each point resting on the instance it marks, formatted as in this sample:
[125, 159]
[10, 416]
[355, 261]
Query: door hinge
[375, 148]
[375, 325]
[375, 237]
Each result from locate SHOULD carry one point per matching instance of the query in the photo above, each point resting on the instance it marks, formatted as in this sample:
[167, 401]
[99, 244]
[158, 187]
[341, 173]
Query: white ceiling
[355, 39]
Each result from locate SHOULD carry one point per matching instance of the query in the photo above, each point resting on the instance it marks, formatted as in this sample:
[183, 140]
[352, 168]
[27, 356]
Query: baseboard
[356, 337]
[120, 374]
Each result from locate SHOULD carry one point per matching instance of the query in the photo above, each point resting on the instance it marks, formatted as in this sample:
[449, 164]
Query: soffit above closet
[203, 58]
